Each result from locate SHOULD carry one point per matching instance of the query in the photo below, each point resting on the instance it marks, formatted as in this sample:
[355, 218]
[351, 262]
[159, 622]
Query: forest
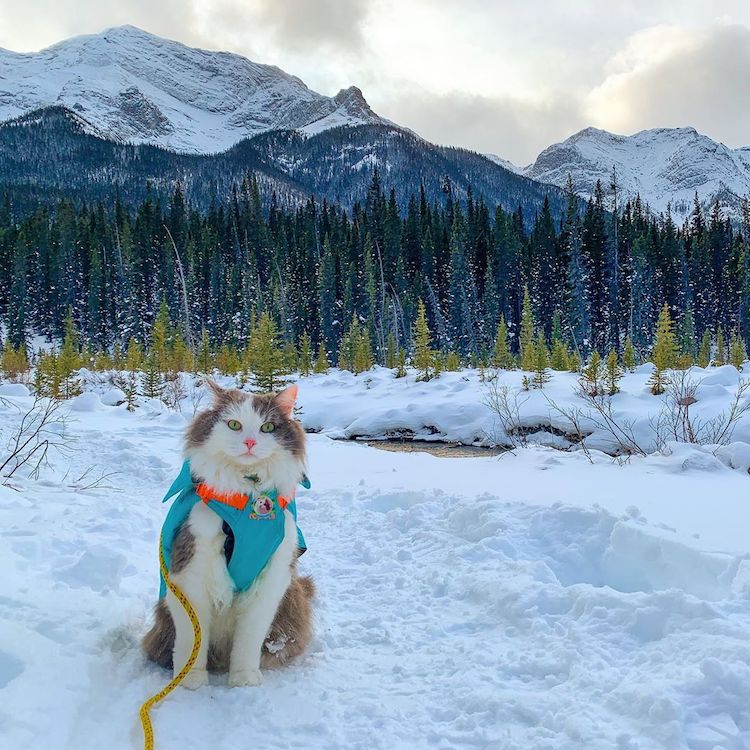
[594, 279]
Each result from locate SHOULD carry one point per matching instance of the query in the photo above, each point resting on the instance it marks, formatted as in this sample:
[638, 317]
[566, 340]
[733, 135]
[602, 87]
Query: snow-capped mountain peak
[662, 165]
[131, 85]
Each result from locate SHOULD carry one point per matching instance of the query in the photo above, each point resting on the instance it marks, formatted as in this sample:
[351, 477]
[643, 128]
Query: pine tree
[180, 357]
[613, 373]
[592, 375]
[68, 361]
[664, 353]
[574, 362]
[737, 351]
[305, 355]
[391, 355]
[321, 361]
[290, 357]
[502, 358]
[526, 338]
[268, 359]
[14, 362]
[704, 355]
[540, 356]
[204, 361]
[159, 342]
[363, 359]
[48, 377]
[628, 355]
[153, 380]
[452, 362]
[401, 364]
[134, 356]
[423, 355]
[560, 357]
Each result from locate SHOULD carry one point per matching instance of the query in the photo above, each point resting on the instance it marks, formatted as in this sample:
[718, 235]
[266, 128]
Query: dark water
[435, 448]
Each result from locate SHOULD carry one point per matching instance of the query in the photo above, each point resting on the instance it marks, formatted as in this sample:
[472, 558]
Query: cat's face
[245, 429]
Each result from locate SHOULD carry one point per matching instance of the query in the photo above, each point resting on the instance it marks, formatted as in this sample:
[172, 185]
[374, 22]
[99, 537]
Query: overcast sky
[502, 77]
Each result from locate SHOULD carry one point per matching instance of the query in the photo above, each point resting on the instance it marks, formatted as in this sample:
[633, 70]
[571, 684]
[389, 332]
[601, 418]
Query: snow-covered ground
[532, 600]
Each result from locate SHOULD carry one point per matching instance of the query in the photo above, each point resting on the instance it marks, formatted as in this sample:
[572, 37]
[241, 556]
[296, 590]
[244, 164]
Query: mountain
[54, 152]
[664, 166]
[131, 86]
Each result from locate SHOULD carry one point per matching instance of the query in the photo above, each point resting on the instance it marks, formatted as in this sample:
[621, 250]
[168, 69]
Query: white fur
[223, 462]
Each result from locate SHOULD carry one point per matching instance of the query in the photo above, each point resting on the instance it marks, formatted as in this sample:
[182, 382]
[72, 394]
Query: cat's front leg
[257, 608]
[198, 568]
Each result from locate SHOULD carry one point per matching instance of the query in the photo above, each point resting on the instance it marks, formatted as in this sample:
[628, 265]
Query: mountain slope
[132, 86]
[665, 166]
[52, 153]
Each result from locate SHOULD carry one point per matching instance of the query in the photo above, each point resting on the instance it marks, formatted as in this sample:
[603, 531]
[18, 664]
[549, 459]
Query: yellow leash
[148, 730]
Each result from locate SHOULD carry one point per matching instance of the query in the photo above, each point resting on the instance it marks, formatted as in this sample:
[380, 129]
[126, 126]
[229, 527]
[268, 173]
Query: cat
[244, 444]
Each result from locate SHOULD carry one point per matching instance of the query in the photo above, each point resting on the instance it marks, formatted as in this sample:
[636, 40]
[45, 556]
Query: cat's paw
[195, 678]
[245, 677]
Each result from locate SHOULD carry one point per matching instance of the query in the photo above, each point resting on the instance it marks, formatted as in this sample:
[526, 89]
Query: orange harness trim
[233, 499]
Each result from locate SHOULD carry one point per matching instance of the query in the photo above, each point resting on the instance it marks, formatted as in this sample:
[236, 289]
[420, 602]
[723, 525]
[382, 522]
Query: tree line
[352, 285]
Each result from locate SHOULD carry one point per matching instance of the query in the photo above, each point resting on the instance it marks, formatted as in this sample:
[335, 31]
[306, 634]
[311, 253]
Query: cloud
[332, 24]
[670, 76]
[509, 127]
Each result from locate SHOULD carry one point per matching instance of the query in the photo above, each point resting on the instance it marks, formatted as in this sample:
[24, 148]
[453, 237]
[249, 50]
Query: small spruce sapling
[321, 361]
[592, 376]
[628, 355]
[737, 351]
[502, 358]
[664, 354]
[613, 373]
[541, 361]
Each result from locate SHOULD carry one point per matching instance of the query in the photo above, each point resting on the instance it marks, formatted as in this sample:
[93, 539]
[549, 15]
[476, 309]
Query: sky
[496, 76]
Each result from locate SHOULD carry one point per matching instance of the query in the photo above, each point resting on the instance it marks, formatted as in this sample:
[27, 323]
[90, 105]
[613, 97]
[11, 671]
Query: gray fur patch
[183, 549]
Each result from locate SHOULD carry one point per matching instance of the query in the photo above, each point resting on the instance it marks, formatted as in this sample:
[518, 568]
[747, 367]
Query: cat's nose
[250, 443]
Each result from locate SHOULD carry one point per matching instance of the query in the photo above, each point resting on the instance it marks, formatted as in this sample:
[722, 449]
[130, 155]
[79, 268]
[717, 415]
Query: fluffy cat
[233, 449]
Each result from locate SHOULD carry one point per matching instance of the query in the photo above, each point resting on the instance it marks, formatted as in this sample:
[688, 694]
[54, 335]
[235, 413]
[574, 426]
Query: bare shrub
[506, 405]
[41, 430]
[678, 421]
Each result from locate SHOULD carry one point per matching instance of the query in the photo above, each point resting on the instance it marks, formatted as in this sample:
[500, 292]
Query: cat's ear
[217, 391]
[285, 400]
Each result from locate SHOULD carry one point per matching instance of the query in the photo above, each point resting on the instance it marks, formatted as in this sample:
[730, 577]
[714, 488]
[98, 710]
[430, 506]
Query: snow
[534, 599]
[129, 85]
[663, 165]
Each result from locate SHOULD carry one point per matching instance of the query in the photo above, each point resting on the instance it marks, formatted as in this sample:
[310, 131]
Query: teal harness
[258, 528]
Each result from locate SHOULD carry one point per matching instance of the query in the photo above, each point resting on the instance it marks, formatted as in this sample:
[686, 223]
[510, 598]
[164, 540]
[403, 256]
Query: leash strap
[148, 730]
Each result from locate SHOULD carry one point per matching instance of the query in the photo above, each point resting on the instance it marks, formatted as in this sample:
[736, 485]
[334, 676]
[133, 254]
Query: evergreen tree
[664, 353]
[153, 381]
[526, 338]
[502, 358]
[737, 351]
[268, 359]
[540, 356]
[560, 358]
[423, 356]
[305, 355]
[628, 355]
[613, 373]
[592, 375]
[321, 361]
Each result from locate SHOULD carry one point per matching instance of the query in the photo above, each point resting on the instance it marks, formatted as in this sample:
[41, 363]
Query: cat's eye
[233, 424]
[267, 427]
